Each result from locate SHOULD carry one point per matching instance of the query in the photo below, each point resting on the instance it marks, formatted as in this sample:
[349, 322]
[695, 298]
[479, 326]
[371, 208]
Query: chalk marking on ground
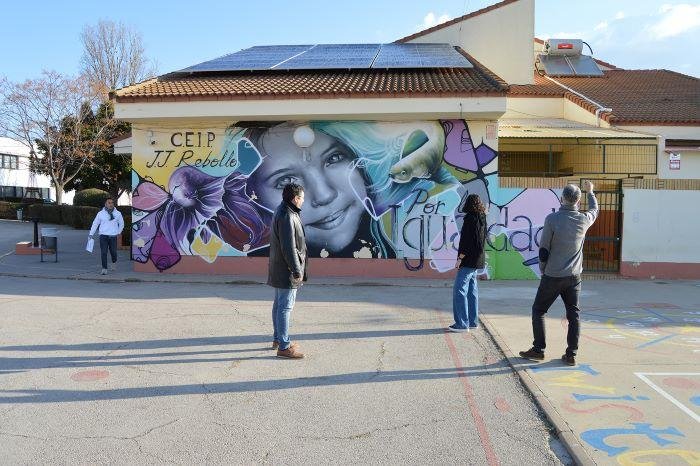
[658, 340]
[662, 392]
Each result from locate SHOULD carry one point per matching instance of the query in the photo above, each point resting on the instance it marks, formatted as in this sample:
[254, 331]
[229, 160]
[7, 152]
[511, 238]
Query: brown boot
[276, 345]
[290, 353]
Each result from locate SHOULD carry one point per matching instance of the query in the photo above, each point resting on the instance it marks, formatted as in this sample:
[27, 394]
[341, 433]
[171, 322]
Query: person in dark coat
[288, 266]
[470, 258]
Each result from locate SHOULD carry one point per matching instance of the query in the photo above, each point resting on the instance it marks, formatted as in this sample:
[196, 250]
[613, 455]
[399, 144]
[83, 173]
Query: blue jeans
[281, 307]
[108, 243]
[465, 299]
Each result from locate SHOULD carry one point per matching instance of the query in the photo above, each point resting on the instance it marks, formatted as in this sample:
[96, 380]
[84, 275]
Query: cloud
[431, 19]
[620, 15]
[675, 20]
[600, 26]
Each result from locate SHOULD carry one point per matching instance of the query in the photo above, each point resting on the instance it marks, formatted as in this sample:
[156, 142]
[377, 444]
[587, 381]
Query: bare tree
[113, 56]
[53, 115]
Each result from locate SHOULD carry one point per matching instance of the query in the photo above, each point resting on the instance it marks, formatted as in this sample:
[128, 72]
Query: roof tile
[426, 82]
[636, 96]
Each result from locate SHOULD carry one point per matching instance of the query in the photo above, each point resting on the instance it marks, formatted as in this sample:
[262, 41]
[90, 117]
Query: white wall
[690, 160]
[22, 176]
[384, 109]
[534, 107]
[501, 39]
[660, 226]
[690, 165]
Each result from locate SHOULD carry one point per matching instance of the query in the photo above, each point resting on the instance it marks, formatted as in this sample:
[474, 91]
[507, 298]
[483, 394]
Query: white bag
[90, 245]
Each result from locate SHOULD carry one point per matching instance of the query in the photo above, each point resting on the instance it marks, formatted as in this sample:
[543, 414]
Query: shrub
[79, 217]
[84, 215]
[91, 197]
[9, 209]
[47, 213]
[68, 215]
[32, 211]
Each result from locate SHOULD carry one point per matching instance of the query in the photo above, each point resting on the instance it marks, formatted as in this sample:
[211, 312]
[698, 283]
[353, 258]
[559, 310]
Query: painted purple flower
[163, 254]
[142, 234]
[241, 222]
[148, 196]
[195, 198]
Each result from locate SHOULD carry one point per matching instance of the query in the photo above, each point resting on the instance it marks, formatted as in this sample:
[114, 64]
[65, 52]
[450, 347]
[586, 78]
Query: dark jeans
[108, 243]
[550, 288]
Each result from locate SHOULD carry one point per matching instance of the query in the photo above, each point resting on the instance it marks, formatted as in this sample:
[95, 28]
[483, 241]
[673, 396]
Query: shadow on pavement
[17, 396]
[216, 341]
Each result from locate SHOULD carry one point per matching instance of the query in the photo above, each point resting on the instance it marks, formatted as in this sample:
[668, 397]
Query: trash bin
[49, 242]
[20, 214]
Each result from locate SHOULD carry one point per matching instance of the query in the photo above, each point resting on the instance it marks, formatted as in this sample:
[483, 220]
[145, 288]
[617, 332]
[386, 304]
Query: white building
[15, 176]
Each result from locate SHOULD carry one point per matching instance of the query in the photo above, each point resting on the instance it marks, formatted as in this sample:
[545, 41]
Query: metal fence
[568, 159]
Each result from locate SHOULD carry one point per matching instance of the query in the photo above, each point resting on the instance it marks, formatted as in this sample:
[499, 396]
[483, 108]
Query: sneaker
[276, 345]
[104, 272]
[569, 360]
[532, 353]
[473, 327]
[290, 353]
[113, 266]
[453, 328]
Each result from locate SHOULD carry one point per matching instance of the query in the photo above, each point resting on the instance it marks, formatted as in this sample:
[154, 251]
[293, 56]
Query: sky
[45, 34]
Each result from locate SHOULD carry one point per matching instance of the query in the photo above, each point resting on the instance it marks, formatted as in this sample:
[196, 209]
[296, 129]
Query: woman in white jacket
[108, 223]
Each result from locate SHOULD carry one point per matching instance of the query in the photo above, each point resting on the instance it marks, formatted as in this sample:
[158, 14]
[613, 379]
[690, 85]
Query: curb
[261, 281]
[565, 434]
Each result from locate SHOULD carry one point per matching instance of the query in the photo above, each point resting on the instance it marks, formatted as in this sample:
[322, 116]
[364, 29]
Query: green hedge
[90, 197]
[79, 217]
[9, 209]
[126, 213]
[47, 213]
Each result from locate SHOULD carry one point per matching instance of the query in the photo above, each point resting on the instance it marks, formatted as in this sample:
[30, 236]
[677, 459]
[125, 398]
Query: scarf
[293, 207]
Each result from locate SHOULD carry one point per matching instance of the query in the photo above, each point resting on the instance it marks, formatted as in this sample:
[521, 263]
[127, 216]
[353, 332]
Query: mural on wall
[384, 190]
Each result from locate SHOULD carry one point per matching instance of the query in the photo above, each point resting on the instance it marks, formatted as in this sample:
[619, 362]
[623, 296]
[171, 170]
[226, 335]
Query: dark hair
[474, 205]
[110, 198]
[291, 191]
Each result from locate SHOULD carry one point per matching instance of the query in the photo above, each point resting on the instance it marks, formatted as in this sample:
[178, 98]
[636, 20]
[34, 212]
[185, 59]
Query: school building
[389, 139]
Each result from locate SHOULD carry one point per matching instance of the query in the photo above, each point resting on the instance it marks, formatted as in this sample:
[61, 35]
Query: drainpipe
[599, 110]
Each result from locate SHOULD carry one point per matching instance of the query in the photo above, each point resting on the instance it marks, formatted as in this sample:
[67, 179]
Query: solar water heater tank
[563, 47]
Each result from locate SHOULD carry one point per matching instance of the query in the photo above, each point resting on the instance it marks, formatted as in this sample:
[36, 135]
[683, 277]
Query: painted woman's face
[332, 211]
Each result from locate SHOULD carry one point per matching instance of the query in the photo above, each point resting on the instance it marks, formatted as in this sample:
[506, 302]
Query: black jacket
[287, 248]
[471, 241]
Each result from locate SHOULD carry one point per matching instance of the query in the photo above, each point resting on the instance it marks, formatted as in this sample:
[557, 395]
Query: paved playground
[134, 368]
[136, 373]
[634, 397]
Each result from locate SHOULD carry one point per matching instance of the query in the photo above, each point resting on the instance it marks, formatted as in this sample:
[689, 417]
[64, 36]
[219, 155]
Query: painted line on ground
[484, 437]
[562, 428]
[658, 340]
[662, 392]
[660, 316]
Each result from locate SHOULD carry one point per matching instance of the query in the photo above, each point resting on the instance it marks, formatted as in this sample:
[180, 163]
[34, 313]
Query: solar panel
[559, 65]
[420, 56]
[584, 65]
[260, 57]
[556, 65]
[333, 56]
